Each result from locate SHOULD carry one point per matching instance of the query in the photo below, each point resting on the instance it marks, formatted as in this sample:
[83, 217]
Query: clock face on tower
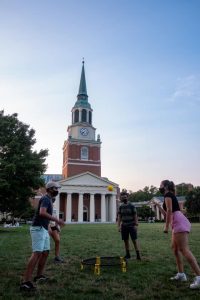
[84, 131]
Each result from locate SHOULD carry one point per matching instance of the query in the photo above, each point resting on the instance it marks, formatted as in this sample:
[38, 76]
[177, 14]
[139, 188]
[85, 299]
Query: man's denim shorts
[40, 239]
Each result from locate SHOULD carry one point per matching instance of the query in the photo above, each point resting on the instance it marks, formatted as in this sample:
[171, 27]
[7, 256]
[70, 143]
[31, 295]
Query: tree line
[191, 194]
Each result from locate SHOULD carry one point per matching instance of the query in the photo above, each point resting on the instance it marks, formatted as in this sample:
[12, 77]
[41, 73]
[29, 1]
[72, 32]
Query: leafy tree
[182, 189]
[192, 202]
[20, 167]
[144, 195]
[147, 193]
[145, 212]
[138, 196]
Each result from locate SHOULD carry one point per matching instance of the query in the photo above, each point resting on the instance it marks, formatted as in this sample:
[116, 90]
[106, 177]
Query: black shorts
[128, 229]
[55, 228]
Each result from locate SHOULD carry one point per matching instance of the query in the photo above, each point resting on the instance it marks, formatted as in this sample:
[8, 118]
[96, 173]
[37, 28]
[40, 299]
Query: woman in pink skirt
[180, 230]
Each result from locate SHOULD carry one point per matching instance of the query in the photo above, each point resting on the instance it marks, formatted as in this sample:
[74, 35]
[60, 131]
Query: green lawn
[146, 279]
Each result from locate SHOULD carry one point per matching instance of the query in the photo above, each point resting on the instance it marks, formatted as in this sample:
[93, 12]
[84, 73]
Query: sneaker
[138, 257]
[40, 278]
[58, 259]
[127, 256]
[27, 286]
[179, 277]
[196, 283]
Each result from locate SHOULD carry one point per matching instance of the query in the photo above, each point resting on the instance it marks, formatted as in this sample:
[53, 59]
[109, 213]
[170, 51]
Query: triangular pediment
[87, 179]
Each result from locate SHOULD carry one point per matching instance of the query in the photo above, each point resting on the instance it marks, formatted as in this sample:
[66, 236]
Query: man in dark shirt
[127, 224]
[40, 237]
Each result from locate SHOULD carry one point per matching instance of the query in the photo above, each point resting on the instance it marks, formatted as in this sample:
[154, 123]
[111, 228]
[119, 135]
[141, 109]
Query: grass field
[146, 279]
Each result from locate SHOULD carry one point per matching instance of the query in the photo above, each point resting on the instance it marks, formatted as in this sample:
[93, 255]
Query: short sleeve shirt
[127, 213]
[175, 204]
[38, 220]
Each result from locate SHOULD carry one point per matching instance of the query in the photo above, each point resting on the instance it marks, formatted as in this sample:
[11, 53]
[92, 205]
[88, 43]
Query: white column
[57, 205]
[153, 207]
[114, 208]
[103, 208]
[80, 208]
[109, 208]
[92, 208]
[157, 213]
[69, 208]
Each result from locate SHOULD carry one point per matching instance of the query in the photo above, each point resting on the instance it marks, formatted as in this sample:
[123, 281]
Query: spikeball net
[104, 261]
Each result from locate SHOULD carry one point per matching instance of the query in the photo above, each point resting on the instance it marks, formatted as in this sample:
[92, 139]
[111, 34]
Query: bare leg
[42, 262]
[31, 265]
[126, 243]
[56, 237]
[177, 255]
[135, 244]
[181, 239]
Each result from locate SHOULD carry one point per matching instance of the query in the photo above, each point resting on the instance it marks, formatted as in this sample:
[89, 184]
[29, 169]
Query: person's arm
[135, 219]
[160, 209]
[43, 213]
[49, 229]
[168, 202]
[119, 220]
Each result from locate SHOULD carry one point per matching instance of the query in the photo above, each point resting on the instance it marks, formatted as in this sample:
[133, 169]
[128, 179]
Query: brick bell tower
[81, 150]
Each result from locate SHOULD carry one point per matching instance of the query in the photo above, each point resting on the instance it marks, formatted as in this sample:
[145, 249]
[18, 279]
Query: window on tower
[84, 153]
[84, 115]
[76, 116]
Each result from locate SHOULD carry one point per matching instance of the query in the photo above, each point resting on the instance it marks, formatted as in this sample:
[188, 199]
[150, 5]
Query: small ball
[110, 188]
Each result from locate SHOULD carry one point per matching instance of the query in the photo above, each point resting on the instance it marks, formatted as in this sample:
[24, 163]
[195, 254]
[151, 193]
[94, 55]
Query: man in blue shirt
[127, 224]
[40, 237]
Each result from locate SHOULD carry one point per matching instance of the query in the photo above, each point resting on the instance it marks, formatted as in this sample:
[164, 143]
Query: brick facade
[72, 163]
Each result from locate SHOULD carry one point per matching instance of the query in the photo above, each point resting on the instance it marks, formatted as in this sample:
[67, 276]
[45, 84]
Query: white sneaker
[196, 283]
[179, 277]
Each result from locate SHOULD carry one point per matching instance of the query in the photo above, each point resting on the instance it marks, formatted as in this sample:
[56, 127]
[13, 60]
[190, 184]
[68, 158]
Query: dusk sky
[142, 64]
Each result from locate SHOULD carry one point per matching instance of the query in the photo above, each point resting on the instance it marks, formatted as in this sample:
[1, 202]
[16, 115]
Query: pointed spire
[82, 87]
[82, 97]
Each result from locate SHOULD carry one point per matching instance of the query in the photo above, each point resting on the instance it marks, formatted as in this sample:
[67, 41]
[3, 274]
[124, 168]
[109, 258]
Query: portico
[85, 198]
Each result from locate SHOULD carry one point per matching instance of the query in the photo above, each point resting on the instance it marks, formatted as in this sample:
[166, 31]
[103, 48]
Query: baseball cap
[52, 184]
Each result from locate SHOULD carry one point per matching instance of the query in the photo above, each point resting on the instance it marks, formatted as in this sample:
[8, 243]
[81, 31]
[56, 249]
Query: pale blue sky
[142, 62]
